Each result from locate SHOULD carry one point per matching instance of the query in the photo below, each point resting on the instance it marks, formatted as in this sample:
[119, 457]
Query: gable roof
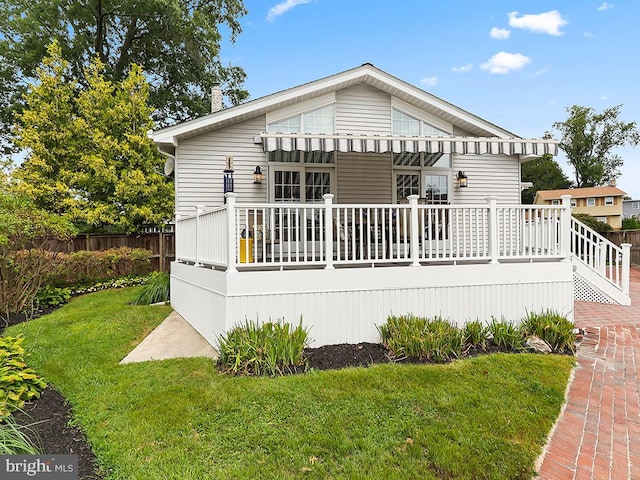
[367, 73]
[580, 193]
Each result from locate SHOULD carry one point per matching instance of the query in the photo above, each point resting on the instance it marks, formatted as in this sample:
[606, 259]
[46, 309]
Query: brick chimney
[216, 98]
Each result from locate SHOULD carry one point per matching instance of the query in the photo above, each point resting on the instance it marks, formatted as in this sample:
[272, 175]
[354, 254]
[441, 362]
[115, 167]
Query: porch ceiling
[380, 144]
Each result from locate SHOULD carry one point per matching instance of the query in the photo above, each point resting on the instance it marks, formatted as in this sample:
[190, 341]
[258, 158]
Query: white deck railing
[601, 255]
[293, 235]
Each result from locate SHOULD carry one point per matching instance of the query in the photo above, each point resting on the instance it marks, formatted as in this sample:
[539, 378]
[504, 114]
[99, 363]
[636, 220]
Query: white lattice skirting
[584, 291]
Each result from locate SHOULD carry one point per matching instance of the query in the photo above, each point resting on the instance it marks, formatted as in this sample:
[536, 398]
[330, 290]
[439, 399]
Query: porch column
[565, 228]
[232, 240]
[199, 209]
[415, 231]
[328, 230]
[493, 229]
[626, 260]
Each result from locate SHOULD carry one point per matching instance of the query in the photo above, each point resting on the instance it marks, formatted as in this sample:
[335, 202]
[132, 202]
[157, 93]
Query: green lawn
[485, 417]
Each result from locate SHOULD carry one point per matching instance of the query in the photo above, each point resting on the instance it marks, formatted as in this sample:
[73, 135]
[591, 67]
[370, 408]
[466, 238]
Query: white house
[357, 196]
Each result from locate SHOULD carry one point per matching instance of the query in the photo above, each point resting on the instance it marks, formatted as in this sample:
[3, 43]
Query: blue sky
[518, 64]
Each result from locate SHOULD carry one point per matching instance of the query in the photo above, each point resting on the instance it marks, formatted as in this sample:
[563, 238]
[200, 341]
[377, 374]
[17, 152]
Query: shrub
[18, 383]
[475, 333]
[28, 241]
[631, 223]
[15, 439]
[505, 335]
[49, 296]
[592, 222]
[272, 348]
[107, 284]
[553, 328]
[88, 267]
[408, 336]
[155, 290]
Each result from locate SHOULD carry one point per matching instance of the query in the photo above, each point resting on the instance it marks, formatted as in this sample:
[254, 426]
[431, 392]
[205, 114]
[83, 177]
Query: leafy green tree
[176, 42]
[588, 140]
[89, 154]
[631, 223]
[545, 174]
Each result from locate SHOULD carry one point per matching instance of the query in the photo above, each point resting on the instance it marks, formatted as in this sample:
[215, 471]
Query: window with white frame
[608, 200]
[602, 219]
[555, 202]
[574, 202]
[416, 172]
[635, 205]
[320, 120]
[591, 202]
[405, 125]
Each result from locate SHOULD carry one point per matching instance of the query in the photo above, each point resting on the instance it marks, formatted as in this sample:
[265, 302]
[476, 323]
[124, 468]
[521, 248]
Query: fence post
[493, 229]
[328, 229]
[626, 261]
[199, 209]
[602, 258]
[565, 228]
[414, 233]
[161, 251]
[232, 238]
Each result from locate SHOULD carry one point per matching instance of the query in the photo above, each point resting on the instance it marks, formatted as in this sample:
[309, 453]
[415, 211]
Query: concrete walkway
[598, 434]
[173, 338]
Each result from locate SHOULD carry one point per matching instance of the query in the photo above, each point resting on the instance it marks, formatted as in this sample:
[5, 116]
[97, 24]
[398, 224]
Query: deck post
[626, 261]
[232, 240]
[199, 209]
[493, 229]
[565, 228]
[328, 229]
[414, 233]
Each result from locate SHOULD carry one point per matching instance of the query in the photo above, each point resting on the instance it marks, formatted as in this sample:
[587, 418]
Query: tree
[545, 174]
[89, 156]
[588, 140]
[176, 42]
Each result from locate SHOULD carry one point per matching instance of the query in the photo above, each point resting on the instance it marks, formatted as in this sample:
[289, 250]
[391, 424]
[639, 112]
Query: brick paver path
[598, 434]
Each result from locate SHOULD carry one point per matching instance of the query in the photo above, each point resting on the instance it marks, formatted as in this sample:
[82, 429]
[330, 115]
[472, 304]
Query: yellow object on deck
[246, 250]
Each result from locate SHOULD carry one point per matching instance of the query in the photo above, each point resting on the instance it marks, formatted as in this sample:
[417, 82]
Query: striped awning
[379, 144]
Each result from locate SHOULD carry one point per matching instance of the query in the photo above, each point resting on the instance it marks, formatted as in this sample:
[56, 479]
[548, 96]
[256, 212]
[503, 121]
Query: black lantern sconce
[228, 176]
[462, 179]
[258, 176]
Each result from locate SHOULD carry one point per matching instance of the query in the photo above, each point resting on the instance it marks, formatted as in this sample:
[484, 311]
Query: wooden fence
[627, 236]
[161, 245]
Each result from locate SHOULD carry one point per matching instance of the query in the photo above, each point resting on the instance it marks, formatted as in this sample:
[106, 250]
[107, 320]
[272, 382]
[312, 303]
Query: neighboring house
[358, 196]
[603, 203]
[631, 208]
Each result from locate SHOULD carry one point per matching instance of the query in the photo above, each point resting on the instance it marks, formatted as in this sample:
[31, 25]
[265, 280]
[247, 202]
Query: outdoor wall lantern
[462, 179]
[258, 176]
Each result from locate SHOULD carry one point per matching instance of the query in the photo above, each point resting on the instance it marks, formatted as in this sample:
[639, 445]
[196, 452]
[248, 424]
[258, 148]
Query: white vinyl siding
[363, 110]
[363, 178]
[200, 163]
[489, 175]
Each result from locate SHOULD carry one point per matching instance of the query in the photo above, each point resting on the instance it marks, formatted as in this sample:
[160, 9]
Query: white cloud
[499, 33]
[429, 81]
[463, 68]
[548, 22]
[542, 71]
[284, 7]
[588, 35]
[604, 97]
[503, 62]
[604, 6]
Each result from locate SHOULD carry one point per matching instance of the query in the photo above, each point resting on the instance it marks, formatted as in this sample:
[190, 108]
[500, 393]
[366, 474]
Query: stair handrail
[599, 254]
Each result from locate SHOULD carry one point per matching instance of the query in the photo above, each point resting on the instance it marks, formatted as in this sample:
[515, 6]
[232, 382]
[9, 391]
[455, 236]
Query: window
[602, 219]
[555, 202]
[574, 202]
[316, 185]
[635, 205]
[315, 121]
[591, 202]
[608, 200]
[407, 184]
[436, 188]
[405, 125]
[286, 186]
